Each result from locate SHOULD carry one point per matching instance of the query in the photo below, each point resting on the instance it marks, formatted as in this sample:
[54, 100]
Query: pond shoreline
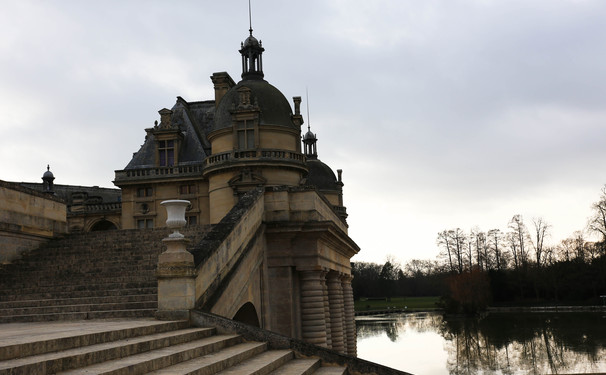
[555, 308]
[492, 309]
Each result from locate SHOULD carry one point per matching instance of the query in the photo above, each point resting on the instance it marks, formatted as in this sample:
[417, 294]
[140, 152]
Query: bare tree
[597, 221]
[578, 239]
[541, 228]
[566, 249]
[445, 242]
[521, 234]
[512, 242]
[459, 239]
[495, 239]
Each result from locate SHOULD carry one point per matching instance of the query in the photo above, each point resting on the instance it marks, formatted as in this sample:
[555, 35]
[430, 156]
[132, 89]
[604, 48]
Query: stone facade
[27, 219]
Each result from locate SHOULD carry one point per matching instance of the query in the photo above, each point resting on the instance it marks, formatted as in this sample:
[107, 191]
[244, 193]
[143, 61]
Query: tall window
[246, 135]
[166, 151]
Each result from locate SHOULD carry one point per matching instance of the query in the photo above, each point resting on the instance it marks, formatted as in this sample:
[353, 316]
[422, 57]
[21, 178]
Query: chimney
[222, 82]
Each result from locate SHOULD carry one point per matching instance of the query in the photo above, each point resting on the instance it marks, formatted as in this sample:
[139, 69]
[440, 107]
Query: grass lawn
[413, 303]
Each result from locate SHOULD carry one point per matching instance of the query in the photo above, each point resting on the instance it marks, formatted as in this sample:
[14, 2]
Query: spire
[251, 50]
[309, 139]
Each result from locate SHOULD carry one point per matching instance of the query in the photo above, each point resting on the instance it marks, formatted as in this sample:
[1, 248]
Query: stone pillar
[176, 270]
[313, 318]
[350, 318]
[335, 300]
[176, 281]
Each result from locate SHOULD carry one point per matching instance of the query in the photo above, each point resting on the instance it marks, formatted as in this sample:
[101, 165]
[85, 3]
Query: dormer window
[166, 153]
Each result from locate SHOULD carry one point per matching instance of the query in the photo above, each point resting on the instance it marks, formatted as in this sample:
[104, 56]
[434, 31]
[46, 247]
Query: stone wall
[229, 260]
[27, 219]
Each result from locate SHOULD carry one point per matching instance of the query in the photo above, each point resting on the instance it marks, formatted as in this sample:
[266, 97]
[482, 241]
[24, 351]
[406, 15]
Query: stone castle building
[211, 153]
[277, 252]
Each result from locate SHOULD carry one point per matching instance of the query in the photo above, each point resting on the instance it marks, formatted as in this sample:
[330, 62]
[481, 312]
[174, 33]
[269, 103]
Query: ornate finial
[48, 167]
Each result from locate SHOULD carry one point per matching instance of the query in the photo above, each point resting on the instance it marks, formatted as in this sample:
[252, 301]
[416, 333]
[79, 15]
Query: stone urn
[175, 215]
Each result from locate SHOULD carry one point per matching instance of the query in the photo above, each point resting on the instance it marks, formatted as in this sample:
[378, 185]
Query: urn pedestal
[176, 270]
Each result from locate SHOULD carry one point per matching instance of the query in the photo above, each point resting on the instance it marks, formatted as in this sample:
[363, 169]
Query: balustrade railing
[261, 154]
[180, 170]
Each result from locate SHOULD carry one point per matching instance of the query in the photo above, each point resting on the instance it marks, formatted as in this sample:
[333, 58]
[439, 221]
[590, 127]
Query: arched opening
[103, 225]
[247, 315]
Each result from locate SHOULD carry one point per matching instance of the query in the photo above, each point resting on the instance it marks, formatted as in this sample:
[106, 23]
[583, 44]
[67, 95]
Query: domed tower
[322, 177]
[255, 137]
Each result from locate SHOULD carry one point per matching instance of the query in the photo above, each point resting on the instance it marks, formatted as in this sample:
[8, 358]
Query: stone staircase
[93, 275]
[142, 347]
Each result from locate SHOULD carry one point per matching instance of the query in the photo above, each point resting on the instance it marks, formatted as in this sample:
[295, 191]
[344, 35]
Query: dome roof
[321, 176]
[48, 174]
[274, 108]
[251, 41]
[309, 135]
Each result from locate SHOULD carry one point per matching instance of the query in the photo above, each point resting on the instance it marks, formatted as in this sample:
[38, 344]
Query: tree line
[517, 266]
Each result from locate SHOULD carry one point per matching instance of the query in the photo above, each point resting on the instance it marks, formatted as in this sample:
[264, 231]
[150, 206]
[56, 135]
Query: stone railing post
[176, 270]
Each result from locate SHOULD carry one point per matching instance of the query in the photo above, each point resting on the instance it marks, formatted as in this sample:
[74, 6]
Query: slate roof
[321, 176]
[194, 121]
[275, 109]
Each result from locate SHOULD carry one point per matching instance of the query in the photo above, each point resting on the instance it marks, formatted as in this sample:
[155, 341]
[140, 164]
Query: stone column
[350, 318]
[335, 300]
[176, 270]
[327, 313]
[313, 318]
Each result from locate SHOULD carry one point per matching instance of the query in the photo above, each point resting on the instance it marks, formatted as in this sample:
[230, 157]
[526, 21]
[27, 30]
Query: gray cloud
[442, 113]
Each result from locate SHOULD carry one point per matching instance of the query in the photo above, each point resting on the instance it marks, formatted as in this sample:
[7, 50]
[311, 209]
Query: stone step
[306, 366]
[87, 315]
[86, 307]
[155, 359]
[84, 280]
[261, 364]
[52, 294]
[88, 279]
[211, 364]
[68, 335]
[181, 342]
[74, 289]
[78, 301]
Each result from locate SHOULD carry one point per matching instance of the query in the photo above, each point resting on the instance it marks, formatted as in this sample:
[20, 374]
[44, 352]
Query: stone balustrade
[258, 154]
[159, 172]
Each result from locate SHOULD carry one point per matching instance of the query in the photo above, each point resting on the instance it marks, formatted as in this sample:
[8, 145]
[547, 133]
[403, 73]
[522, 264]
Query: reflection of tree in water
[392, 325]
[532, 343]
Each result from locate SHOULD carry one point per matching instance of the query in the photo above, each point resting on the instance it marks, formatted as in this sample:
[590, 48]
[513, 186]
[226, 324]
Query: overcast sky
[441, 113]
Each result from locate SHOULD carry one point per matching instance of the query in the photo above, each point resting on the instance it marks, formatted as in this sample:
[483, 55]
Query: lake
[499, 343]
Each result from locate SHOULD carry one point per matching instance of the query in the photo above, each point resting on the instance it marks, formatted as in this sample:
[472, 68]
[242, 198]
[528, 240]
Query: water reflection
[496, 344]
